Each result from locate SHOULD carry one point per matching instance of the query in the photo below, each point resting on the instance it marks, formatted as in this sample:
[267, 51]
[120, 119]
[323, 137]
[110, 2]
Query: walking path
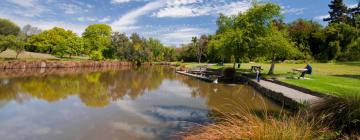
[293, 94]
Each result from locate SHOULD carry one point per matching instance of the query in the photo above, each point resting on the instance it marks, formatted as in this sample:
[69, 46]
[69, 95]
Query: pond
[115, 103]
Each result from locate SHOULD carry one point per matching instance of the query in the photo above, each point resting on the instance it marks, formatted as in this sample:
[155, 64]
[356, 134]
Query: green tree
[202, 43]
[338, 13]
[157, 49]
[8, 28]
[18, 44]
[122, 45]
[97, 38]
[71, 47]
[5, 42]
[275, 45]
[336, 40]
[15, 43]
[302, 33]
[48, 40]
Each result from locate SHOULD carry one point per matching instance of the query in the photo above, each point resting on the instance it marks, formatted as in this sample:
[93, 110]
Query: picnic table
[294, 71]
[253, 68]
[299, 70]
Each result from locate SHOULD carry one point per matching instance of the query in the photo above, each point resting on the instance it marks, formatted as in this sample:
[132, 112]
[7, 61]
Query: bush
[339, 113]
[229, 72]
[182, 67]
[266, 127]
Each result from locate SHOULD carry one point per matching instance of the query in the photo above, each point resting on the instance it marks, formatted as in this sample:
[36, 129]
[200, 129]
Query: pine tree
[338, 12]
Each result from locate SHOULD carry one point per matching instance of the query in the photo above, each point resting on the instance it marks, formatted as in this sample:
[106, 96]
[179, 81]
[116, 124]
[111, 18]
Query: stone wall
[60, 64]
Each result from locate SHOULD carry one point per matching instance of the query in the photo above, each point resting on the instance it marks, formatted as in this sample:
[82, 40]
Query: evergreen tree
[338, 12]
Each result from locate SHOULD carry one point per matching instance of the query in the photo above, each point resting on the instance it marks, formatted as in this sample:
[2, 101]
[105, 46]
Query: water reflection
[95, 89]
[132, 103]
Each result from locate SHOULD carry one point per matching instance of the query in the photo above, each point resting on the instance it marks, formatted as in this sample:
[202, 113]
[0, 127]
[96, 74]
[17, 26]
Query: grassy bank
[331, 118]
[11, 54]
[330, 78]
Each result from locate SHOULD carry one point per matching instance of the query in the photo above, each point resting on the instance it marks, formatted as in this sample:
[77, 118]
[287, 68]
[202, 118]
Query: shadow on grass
[349, 76]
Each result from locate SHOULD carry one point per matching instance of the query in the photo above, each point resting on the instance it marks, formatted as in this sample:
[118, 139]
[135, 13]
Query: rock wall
[60, 64]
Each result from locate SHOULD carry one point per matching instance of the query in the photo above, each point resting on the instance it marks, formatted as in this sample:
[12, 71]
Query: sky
[174, 22]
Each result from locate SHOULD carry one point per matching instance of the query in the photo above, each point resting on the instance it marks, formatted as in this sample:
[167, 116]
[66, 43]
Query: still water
[113, 104]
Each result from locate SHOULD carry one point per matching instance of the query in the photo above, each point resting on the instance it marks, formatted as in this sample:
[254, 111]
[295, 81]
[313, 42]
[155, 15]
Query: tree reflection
[229, 98]
[95, 89]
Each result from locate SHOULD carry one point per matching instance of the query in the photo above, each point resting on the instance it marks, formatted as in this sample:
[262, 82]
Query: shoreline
[21, 64]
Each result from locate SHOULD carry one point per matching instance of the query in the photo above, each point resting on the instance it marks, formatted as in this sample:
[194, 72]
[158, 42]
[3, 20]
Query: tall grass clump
[341, 114]
[260, 126]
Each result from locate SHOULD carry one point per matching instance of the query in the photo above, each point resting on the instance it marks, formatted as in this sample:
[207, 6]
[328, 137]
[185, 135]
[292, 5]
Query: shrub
[339, 113]
[229, 72]
[182, 67]
[261, 128]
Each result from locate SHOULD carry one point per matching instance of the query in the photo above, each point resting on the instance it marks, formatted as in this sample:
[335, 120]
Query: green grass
[337, 79]
[332, 85]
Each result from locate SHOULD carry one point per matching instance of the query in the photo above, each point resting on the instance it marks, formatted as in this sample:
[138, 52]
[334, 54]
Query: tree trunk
[17, 55]
[272, 67]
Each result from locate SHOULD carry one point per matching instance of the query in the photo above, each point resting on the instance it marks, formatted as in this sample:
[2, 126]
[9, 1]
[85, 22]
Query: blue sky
[172, 21]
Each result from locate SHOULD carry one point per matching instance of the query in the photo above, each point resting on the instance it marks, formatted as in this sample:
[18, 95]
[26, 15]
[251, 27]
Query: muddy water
[126, 103]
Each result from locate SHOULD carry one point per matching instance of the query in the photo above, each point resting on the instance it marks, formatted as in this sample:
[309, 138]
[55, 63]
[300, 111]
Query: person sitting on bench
[308, 71]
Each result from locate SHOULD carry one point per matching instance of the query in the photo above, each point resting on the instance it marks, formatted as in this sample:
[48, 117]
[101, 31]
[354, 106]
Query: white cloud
[119, 1]
[105, 19]
[321, 17]
[24, 3]
[124, 1]
[291, 10]
[191, 8]
[130, 18]
[182, 35]
[94, 19]
[44, 24]
[353, 5]
[82, 19]
[72, 9]
[27, 8]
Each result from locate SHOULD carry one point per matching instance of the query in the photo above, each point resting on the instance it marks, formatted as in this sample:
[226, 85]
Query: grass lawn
[330, 78]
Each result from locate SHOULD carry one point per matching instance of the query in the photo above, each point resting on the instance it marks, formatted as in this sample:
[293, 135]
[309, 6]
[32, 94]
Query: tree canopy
[8, 28]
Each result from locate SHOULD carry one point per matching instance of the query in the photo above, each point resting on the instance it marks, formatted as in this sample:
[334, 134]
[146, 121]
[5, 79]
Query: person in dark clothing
[308, 70]
[258, 74]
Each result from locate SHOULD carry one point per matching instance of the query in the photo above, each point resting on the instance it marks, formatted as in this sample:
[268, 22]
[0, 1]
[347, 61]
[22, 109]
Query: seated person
[308, 71]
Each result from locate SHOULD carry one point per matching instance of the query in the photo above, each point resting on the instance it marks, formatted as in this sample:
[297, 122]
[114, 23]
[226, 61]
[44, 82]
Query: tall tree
[301, 32]
[122, 46]
[8, 28]
[338, 13]
[29, 30]
[275, 45]
[97, 38]
[157, 49]
[200, 46]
